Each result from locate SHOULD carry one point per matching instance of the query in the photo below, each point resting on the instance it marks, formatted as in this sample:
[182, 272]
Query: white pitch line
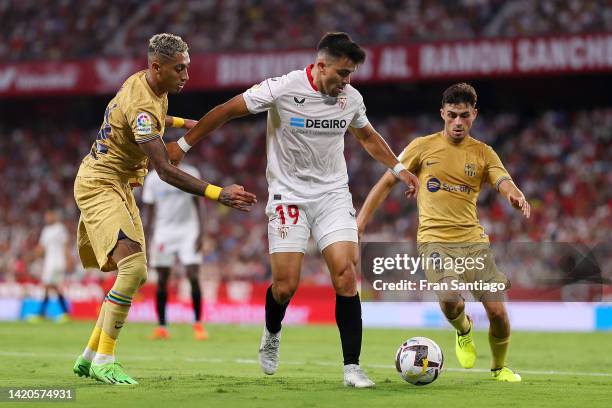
[300, 363]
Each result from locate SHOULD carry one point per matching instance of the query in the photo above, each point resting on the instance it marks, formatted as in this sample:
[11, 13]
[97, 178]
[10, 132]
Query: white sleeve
[261, 97]
[148, 195]
[360, 119]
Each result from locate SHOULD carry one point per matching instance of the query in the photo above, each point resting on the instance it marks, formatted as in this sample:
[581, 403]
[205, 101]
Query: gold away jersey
[450, 179]
[135, 115]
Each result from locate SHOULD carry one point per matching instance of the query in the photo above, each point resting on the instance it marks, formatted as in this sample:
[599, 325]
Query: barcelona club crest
[341, 101]
[470, 169]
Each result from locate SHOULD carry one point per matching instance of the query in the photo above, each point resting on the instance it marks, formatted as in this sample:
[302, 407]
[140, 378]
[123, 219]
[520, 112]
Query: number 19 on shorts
[293, 212]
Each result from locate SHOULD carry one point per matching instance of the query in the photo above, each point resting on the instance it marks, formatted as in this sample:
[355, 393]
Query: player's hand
[235, 196]
[519, 202]
[411, 181]
[175, 153]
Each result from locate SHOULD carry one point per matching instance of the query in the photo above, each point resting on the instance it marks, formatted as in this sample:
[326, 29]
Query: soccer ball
[419, 360]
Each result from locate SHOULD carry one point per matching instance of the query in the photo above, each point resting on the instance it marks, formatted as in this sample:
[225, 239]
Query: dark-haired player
[452, 166]
[309, 112]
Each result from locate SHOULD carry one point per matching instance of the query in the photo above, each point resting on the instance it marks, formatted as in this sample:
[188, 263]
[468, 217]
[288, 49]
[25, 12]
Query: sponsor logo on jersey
[144, 124]
[317, 123]
[299, 102]
[431, 163]
[470, 169]
[433, 185]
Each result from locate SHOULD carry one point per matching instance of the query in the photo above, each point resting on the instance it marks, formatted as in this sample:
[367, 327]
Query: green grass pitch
[558, 369]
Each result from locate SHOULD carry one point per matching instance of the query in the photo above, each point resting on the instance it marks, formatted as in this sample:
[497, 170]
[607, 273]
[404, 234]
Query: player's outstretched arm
[376, 147]
[234, 108]
[232, 196]
[375, 198]
[515, 197]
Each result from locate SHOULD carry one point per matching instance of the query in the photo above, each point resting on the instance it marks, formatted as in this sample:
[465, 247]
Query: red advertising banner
[568, 54]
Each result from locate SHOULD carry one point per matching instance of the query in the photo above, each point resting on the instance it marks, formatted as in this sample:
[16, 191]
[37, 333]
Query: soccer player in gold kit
[110, 234]
[451, 166]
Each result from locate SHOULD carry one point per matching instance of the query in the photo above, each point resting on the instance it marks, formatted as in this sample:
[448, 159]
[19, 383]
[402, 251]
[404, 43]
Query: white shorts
[330, 218]
[53, 275]
[163, 253]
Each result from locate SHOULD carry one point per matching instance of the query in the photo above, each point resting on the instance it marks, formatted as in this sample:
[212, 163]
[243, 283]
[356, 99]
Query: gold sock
[460, 323]
[94, 339]
[499, 349]
[132, 274]
[107, 345]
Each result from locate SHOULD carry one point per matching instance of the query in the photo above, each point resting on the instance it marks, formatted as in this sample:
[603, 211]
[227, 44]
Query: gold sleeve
[496, 172]
[411, 156]
[145, 122]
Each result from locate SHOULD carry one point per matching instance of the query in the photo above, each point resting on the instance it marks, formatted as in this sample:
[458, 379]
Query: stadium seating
[560, 160]
[52, 30]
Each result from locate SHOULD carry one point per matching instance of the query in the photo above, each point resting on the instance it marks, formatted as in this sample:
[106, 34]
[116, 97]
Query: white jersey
[175, 210]
[53, 239]
[305, 135]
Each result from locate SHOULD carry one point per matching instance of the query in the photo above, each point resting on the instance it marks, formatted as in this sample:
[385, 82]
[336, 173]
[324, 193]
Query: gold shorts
[107, 206]
[465, 262]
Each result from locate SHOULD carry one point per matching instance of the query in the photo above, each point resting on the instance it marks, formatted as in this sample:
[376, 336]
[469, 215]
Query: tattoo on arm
[156, 151]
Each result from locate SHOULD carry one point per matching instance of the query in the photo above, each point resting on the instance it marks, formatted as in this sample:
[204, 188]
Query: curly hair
[166, 46]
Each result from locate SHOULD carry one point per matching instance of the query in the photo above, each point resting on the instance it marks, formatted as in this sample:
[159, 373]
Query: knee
[133, 269]
[452, 307]
[498, 314]
[192, 275]
[284, 290]
[345, 280]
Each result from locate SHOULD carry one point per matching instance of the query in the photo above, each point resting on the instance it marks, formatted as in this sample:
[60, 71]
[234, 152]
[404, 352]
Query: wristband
[212, 192]
[397, 168]
[178, 122]
[183, 144]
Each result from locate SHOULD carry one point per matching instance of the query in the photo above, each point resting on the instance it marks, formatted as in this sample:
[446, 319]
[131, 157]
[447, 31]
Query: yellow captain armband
[212, 192]
[178, 122]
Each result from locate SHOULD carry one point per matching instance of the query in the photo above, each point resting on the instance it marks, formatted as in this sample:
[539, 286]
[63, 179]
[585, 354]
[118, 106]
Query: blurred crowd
[65, 29]
[561, 160]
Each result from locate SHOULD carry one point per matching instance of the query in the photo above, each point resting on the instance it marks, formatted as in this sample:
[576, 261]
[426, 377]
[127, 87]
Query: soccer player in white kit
[177, 232]
[53, 243]
[309, 112]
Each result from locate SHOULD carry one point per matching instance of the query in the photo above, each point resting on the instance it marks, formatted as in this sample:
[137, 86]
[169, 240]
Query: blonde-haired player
[110, 234]
[452, 166]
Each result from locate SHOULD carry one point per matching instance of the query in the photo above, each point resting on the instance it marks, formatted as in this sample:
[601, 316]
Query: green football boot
[111, 373]
[465, 349]
[81, 367]
[505, 374]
